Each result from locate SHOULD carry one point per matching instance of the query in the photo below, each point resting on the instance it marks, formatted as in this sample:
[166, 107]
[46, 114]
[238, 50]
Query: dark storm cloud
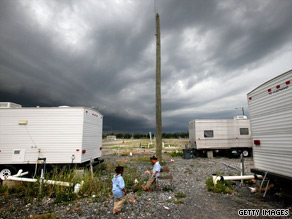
[102, 53]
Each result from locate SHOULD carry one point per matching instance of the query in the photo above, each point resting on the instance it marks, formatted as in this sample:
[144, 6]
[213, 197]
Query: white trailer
[270, 108]
[61, 135]
[228, 136]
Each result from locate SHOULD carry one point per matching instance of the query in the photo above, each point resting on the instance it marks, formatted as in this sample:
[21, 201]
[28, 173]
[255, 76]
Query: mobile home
[61, 135]
[270, 108]
[232, 136]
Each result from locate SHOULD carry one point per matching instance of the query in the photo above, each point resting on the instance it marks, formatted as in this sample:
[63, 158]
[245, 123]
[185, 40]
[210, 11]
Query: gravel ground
[189, 178]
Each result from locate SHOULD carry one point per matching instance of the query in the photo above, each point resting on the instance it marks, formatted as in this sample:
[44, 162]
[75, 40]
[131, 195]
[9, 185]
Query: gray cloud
[102, 53]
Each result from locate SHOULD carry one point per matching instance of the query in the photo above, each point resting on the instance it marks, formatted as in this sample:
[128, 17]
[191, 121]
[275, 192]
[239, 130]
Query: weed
[167, 189]
[49, 215]
[64, 196]
[99, 184]
[219, 173]
[139, 193]
[178, 201]
[11, 209]
[79, 211]
[141, 159]
[180, 195]
[176, 154]
[4, 190]
[220, 187]
[101, 167]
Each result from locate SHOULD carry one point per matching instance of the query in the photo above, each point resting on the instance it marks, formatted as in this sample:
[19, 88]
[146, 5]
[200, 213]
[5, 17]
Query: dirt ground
[189, 179]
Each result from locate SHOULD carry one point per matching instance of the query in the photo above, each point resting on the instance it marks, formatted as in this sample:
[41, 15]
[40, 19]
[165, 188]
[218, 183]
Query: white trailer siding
[270, 107]
[226, 134]
[92, 135]
[53, 133]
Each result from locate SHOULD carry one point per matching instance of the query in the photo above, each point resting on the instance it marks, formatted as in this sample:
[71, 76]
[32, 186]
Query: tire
[6, 171]
[245, 153]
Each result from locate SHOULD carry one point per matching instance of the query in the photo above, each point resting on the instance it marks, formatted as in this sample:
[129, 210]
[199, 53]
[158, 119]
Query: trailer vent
[240, 117]
[9, 105]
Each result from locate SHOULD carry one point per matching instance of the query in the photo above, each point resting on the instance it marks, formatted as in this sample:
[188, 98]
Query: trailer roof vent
[9, 105]
[239, 117]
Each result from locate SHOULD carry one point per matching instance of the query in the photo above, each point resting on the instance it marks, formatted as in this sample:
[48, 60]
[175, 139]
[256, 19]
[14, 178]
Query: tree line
[147, 135]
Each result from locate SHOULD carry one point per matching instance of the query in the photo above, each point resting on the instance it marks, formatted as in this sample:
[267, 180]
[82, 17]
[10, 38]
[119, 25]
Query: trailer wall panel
[92, 135]
[56, 133]
[271, 122]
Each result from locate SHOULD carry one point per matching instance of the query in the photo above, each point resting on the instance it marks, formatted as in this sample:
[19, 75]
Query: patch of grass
[176, 154]
[167, 189]
[4, 190]
[180, 195]
[79, 211]
[49, 215]
[141, 159]
[224, 187]
[178, 201]
[139, 192]
[98, 186]
[64, 196]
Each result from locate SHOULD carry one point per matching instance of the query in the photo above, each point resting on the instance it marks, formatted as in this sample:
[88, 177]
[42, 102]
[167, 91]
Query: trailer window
[208, 134]
[244, 131]
[17, 152]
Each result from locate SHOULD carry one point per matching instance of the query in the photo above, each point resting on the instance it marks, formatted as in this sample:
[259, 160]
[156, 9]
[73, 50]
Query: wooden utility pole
[158, 93]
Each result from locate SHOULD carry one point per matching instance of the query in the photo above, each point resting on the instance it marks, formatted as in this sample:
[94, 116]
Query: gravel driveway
[189, 178]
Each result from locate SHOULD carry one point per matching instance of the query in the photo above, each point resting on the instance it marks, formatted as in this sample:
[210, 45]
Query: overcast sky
[102, 53]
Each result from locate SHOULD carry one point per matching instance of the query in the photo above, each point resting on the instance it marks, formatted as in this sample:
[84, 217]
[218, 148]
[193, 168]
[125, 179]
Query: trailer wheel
[6, 171]
[245, 153]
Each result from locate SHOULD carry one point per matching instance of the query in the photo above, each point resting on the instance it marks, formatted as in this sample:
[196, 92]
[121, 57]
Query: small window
[17, 152]
[208, 134]
[244, 131]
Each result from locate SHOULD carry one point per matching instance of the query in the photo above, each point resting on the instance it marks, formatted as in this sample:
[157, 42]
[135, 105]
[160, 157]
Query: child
[118, 190]
[152, 180]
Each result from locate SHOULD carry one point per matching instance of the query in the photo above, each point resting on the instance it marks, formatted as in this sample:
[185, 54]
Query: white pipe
[218, 178]
[21, 179]
[20, 173]
[52, 182]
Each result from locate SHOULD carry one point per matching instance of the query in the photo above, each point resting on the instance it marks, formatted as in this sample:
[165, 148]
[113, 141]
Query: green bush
[65, 195]
[220, 187]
